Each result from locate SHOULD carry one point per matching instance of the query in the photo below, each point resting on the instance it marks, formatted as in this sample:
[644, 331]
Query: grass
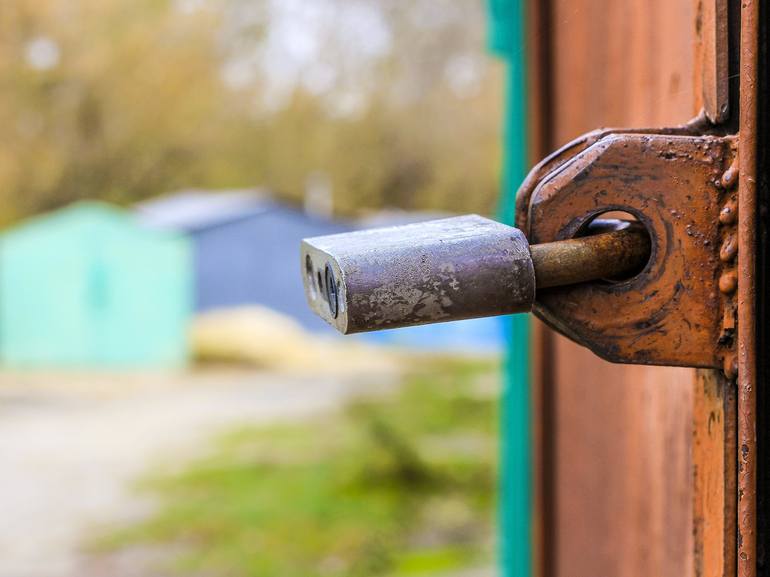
[398, 485]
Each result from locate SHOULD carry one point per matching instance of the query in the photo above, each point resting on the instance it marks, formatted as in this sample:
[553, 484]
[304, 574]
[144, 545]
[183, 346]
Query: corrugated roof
[192, 210]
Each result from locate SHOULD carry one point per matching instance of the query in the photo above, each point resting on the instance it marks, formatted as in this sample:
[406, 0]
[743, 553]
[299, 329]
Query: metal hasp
[679, 310]
[452, 269]
[659, 290]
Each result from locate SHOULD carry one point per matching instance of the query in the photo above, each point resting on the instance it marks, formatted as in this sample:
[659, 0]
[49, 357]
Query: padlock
[455, 268]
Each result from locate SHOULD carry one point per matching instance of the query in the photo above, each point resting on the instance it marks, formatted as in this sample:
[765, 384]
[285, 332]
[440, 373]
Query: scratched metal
[671, 312]
[748, 352]
[614, 250]
[698, 126]
[442, 270]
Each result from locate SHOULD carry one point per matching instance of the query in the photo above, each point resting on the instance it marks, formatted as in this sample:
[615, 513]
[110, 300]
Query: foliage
[126, 99]
[395, 485]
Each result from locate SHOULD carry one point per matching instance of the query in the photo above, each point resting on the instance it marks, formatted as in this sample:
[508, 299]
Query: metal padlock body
[449, 269]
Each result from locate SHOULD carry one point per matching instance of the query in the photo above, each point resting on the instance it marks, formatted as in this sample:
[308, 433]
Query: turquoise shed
[88, 286]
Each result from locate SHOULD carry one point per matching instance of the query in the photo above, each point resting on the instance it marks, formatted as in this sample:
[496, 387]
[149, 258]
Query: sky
[303, 44]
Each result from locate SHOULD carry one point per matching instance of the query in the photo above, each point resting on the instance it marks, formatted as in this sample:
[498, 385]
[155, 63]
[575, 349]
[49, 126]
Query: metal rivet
[730, 177]
[729, 213]
[728, 282]
[729, 249]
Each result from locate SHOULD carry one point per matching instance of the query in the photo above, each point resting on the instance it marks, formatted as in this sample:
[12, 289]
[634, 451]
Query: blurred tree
[107, 99]
[124, 99]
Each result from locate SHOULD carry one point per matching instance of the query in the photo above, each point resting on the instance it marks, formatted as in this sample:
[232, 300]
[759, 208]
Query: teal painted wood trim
[515, 508]
[508, 38]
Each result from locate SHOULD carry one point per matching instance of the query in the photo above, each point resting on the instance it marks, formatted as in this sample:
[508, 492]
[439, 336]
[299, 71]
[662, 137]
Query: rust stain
[746, 295]
[677, 183]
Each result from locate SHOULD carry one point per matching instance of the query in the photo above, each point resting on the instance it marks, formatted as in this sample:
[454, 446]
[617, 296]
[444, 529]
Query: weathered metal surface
[603, 255]
[711, 57]
[670, 313]
[698, 126]
[746, 361]
[442, 270]
[676, 311]
[714, 475]
[619, 450]
[454, 269]
[761, 135]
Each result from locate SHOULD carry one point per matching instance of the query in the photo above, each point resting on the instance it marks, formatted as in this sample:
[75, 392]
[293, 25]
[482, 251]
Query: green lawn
[397, 485]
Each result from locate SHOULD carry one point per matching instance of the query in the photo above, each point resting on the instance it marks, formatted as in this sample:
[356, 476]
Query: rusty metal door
[644, 245]
[637, 467]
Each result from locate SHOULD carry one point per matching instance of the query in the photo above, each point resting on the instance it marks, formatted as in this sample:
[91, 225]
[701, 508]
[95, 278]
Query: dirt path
[71, 446]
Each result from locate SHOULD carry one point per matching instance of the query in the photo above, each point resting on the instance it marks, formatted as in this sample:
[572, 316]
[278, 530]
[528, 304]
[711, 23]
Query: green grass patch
[397, 485]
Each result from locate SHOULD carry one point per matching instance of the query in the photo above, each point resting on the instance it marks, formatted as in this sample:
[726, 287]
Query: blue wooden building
[245, 248]
[246, 252]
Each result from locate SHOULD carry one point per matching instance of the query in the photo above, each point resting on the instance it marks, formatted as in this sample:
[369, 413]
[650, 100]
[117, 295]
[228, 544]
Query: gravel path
[71, 446]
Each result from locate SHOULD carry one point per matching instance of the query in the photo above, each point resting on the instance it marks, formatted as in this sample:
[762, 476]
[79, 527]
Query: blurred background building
[245, 248]
[159, 163]
[88, 286]
[349, 113]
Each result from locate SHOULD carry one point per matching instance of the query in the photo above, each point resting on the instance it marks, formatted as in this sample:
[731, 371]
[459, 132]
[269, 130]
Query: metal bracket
[679, 310]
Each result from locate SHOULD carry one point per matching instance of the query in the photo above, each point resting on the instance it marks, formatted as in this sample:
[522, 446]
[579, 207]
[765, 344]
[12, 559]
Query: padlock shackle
[612, 255]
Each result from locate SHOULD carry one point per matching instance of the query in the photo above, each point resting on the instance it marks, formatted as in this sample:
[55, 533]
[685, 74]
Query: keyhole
[331, 291]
